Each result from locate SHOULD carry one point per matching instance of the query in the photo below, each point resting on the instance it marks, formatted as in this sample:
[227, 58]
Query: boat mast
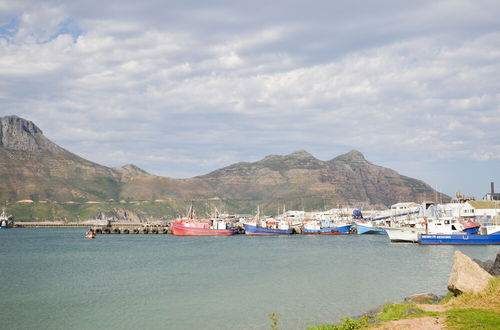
[191, 211]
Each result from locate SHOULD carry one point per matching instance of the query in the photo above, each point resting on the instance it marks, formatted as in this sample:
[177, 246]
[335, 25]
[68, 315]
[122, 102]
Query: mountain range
[34, 168]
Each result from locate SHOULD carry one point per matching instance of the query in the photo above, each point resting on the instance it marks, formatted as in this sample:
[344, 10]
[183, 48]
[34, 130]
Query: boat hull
[404, 235]
[440, 239]
[254, 230]
[180, 230]
[370, 230]
[342, 230]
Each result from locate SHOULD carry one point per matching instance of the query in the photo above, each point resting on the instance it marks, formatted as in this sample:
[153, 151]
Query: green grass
[489, 298]
[345, 324]
[401, 311]
[446, 299]
[389, 313]
[472, 318]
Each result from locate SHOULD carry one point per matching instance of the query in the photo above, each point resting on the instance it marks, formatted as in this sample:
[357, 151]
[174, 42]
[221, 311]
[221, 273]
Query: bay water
[54, 278]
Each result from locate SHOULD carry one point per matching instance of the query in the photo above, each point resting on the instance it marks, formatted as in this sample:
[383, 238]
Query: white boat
[6, 220]
[489, 229]
[404, 234]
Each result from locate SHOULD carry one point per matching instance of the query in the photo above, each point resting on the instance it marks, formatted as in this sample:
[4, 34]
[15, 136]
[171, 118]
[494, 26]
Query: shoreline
[459, 310]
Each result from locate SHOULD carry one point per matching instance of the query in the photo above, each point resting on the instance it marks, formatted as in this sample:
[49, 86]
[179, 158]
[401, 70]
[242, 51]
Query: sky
[181, 88]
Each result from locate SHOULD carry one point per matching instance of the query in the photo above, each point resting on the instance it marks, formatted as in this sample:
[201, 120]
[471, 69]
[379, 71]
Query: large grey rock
[466, 275]
[491, 266]
[422, 298]
[486, 265]
[495, 269]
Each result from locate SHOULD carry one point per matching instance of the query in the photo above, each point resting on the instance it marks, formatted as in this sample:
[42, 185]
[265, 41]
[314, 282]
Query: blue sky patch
[9, 30]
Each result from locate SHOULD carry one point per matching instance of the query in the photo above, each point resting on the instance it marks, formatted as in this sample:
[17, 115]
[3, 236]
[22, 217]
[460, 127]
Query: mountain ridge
[33, 167]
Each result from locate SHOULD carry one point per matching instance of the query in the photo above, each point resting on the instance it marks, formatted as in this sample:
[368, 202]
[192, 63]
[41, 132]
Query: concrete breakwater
[50, 224]
[133, 229]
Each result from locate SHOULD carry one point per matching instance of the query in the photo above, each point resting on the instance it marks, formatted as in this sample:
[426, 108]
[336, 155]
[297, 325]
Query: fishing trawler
[325, 227]
[450, 231]
[206, 227]
[268, 227]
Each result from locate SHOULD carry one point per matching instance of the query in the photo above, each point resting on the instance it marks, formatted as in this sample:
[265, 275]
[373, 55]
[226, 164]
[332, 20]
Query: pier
[115, 228]
[132, 228]
[49, 224]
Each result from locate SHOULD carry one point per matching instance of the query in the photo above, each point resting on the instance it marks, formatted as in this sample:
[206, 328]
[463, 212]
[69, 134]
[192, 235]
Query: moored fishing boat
[268, 227]
[460, 239]
[194, 227]
[404, 234]
[202, 228]
[324, 228]
[369, 228]
[451, 231]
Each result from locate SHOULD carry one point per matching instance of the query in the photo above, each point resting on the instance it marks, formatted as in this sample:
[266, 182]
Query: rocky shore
[473, 302]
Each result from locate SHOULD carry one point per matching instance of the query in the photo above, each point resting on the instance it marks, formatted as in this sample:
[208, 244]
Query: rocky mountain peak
[301, 154]
[351, 156]
[133, 170]
[20, 134]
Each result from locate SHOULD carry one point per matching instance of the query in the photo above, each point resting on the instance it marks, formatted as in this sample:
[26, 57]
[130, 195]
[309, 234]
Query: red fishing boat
[194, 227]
[201, 228]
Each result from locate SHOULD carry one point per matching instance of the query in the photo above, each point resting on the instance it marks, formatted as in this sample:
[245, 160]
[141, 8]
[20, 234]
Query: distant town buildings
[492, 196]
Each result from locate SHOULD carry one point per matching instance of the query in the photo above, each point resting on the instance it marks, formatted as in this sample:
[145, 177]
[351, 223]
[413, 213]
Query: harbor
[464, 222]
[158, 281]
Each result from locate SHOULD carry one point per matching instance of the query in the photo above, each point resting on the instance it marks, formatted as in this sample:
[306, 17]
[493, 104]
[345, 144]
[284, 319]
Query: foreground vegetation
[466, 311]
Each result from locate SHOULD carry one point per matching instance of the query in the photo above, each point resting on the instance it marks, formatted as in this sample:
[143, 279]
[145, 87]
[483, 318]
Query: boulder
[466, 275]
[491, 266]
[486, 265]
[422, 298]
[495, 269]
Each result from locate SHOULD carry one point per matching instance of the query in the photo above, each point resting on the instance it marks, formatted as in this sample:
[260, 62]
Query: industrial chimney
[492, 188]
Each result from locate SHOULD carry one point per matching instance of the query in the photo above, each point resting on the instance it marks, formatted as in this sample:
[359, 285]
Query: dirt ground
[418, 323]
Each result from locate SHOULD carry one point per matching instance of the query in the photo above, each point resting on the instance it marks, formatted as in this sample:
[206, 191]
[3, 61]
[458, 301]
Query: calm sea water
[57, 279]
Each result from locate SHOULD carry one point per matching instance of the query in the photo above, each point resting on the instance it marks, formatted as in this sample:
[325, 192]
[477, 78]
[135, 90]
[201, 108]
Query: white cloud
[406, 82]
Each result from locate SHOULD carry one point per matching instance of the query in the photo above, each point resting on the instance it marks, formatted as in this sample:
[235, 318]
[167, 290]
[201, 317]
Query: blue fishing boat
[369, 228]
[451, 231]
[324, 228]
[267, 228]
[461, 239]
